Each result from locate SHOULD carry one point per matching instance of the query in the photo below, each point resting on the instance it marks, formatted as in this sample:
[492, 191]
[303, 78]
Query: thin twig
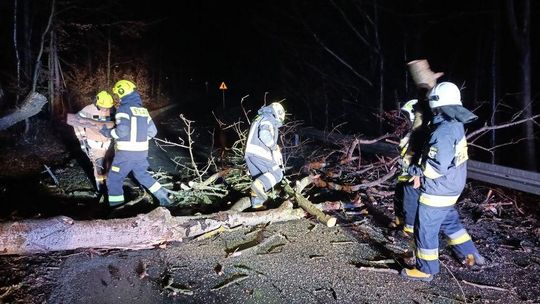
[375, 269]
[459, 285]
[484, 286]
[52, 175]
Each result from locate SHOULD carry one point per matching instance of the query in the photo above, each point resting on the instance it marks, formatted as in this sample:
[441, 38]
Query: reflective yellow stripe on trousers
[459, 237]
[438, 200]
[427, 254]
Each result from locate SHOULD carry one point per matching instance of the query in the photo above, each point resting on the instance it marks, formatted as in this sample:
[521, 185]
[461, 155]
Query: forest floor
[298, 261]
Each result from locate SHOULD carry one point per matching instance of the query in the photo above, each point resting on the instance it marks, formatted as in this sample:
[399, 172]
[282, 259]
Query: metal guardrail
[517, 179]
[512, 178]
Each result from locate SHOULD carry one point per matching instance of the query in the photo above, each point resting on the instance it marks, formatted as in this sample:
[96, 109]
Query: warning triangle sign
[223, 86]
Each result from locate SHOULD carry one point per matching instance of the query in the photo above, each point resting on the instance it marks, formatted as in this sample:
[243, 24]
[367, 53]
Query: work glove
[415, 181]
[105, 131]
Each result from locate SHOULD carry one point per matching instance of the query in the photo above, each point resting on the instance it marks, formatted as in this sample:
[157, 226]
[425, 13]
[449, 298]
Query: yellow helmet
[104, 100]
[278, 111]
[123, 87]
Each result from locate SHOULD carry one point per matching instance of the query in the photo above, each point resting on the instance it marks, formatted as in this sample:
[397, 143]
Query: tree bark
[140, 232]
[30, 107]
[75, 120]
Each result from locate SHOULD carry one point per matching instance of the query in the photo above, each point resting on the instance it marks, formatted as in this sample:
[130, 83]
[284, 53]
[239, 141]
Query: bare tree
[521, 35]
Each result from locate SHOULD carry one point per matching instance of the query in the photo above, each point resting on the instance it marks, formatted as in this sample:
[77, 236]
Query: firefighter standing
[93, 143]
[263, 154]
[443, 173]
[134, 127]
[406, 196]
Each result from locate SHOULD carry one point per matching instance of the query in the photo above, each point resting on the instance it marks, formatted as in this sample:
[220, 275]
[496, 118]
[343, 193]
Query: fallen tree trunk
[140, 232]
[32, 105]
[75, 120]
[303, 202]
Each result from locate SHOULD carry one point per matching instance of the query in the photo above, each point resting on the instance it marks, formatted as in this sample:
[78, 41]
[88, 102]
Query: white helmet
[444, 94]
[408, 108]
[278, 111]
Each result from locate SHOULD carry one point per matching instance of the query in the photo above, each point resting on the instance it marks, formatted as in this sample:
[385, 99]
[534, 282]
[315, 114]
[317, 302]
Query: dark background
[332, 61]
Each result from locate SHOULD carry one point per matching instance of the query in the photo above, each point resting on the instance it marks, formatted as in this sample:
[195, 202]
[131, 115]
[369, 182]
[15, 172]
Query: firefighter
[263, 154]
[406, 196]
[442, 173]
[93, 143]
[134, 127]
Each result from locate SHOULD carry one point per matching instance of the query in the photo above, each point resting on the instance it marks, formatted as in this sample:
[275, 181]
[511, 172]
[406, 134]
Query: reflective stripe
[115, 169]
[133, 130]
[94, 144]
[119, 116]
[259, 151]
[459, 237]
[116, 198]
[79, 132]
[114, 135]
[270, 178]
[404, 178]
[461, 152]
[155, 187]
[139, 111]
[427, 254]
[132, 146]
[408, 228]
[430, 172]
[100, 177]
[438, 200]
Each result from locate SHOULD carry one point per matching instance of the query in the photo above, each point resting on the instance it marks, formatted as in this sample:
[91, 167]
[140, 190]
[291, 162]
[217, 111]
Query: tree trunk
[140, 232]
[522, 39]
[16, 49]
[494, 84]
[30, 107]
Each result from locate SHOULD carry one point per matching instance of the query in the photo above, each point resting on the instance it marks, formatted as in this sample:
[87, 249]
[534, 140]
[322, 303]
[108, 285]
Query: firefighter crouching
[134, 127]
[263, 154]
[94, 144]
[443, 173]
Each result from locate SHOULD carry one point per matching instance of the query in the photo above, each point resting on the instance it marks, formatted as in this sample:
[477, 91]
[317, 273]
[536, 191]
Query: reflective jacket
[444, 165]
[134, 126]
[92, 112]
[404, 161]
[262, 141]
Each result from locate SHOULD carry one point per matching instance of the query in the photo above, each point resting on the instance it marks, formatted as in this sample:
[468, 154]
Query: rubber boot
[258, 195]
[163, 198]
[417, 275]
[257, 203]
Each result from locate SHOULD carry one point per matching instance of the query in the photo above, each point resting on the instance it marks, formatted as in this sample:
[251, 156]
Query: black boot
[163, 198]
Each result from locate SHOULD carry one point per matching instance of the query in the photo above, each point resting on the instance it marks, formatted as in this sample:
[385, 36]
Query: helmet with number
[408, 108]
[123, 88]
[278, 111]
[444, 94]
[104, 100]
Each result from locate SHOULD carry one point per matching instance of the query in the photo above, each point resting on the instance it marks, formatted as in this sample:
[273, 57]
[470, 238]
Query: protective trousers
[120, 168]
[265, 174]
[101, 164]
[406, 205]
[428, 223]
